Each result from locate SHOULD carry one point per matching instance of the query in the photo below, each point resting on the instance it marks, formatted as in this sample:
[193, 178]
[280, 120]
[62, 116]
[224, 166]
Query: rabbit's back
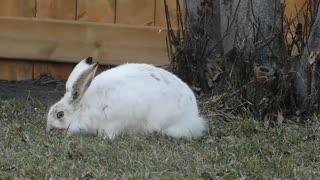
[143, 98]
[142, 78]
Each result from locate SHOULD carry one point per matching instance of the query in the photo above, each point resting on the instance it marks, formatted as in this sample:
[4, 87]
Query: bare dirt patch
[45, 90]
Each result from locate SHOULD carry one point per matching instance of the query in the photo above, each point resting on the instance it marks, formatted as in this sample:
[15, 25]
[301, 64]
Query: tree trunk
[252, 26]
[212, 22]
[200, 44]
[249, 34]
[253, 29]
[303, 76]
[256, 24]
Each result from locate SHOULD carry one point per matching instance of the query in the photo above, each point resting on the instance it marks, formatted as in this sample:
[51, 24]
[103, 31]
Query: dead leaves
[314, 57]
[213, 73]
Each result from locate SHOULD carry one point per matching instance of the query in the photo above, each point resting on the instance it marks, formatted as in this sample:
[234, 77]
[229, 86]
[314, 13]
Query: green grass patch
[235, 148]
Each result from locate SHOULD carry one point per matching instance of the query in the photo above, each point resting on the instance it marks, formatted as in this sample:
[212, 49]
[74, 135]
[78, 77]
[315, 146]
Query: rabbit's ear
[83, 82]
[77, 71]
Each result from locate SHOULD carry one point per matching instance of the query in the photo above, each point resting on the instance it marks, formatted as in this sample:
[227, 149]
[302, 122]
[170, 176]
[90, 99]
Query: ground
[45, 90]
[236, 146]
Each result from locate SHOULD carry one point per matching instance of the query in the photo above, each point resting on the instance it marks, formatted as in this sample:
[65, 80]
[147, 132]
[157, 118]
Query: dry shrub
[232, 78]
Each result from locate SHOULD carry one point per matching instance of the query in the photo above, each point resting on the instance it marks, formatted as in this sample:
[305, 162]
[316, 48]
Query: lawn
[236, 147]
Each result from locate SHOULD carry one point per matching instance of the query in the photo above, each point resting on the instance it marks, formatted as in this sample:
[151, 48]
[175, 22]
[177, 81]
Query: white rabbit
[128, 99]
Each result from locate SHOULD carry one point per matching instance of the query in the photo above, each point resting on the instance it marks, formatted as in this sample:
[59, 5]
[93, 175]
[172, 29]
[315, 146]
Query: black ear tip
[89, 60]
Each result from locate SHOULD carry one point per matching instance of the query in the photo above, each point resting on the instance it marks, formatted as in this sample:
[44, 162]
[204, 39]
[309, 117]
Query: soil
[45, 90]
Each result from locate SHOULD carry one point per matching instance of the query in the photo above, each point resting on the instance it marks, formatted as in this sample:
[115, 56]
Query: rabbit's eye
[60, 114]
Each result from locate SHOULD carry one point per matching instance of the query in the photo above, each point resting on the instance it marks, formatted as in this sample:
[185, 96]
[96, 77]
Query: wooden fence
[36, 32]
[46, 37]
[134, 12]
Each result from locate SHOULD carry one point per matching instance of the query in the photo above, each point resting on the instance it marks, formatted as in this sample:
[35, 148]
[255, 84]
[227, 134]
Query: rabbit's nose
[49, 130]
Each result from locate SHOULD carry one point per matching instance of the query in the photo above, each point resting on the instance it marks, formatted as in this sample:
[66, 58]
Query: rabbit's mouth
[53, 131]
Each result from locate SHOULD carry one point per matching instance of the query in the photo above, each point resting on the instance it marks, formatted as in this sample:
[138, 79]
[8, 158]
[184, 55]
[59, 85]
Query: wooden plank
[96, 10]
[40, 69]
[15, 70]
[70, 41]
[291, 8]
[101, 69]
[57, 9]
[22, 8]
[60, 71]
[160, 17]
[137, 12]
[23, 70]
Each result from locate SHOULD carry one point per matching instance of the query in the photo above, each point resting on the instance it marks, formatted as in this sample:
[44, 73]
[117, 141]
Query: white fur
[130, 99]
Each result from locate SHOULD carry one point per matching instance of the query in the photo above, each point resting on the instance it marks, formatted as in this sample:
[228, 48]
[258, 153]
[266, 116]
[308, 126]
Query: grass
[235, 148]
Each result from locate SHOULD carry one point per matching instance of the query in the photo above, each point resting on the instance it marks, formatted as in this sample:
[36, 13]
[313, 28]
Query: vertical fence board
[96, 10]
[137, 12]
[57, 9]
[60, 71]
[291, 9]
[22, 8]
[102, 69]
[40, 69]
[15, 70]
[160, 19]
